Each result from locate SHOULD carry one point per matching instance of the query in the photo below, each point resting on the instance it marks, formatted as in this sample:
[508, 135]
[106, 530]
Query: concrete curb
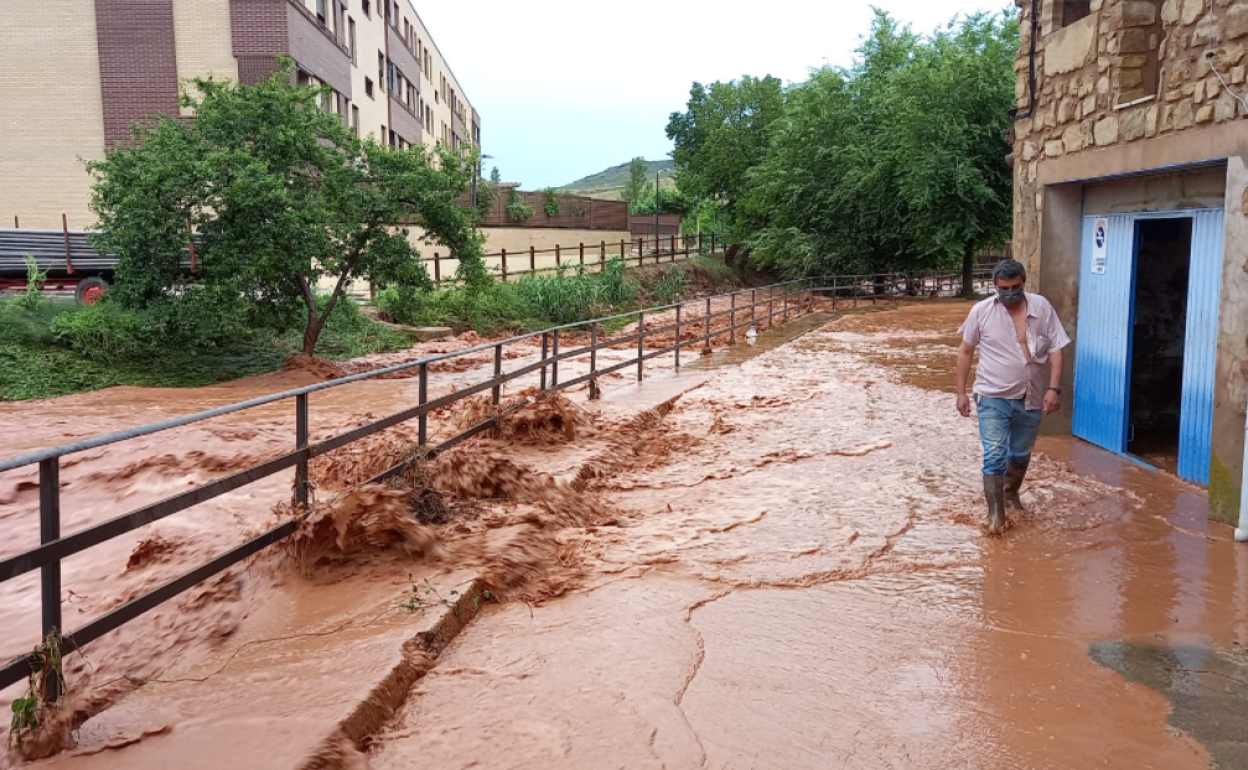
[343, 749]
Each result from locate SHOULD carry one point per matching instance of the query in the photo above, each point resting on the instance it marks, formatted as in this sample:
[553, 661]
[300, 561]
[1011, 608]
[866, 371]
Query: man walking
[1020, 341]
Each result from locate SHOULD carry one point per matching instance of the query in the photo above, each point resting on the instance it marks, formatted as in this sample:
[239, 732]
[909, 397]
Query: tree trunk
[311, 334]
[968, 272]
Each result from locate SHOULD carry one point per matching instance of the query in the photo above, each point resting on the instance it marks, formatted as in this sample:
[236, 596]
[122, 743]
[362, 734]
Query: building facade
[1131, 211]
[76, 75]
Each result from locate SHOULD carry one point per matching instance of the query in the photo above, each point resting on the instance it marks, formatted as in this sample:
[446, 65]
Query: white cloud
[568, 88]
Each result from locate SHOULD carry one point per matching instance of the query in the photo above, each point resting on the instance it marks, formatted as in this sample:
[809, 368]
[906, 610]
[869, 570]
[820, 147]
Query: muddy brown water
[785, 569]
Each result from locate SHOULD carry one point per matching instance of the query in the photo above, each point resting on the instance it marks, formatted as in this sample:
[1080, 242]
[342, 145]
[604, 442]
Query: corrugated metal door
[1201, 346]
[1103, 350]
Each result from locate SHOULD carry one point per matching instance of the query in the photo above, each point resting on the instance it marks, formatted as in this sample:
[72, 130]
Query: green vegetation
[897, 162]
[282, 196]
[568, 295]
[552, 202]
[62, 348]
[518, 209]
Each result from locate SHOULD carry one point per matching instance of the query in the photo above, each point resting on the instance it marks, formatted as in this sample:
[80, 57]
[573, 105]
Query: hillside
[609, 184]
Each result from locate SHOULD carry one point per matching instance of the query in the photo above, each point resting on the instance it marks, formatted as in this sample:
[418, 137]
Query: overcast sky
[566, 89]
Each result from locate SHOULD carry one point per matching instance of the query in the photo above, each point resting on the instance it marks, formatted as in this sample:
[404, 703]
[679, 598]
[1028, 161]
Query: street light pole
[656, 211]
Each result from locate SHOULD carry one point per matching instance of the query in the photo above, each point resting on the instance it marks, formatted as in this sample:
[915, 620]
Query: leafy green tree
[637, 188]
[671, 201]
[896, 163]
[725, 130]
[950, 132]
[284, 199]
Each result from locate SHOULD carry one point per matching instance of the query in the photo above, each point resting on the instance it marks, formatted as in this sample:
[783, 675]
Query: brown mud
[777, 563]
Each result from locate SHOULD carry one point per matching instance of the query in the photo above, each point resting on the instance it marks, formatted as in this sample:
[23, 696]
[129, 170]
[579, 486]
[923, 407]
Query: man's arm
[1053, 401]
[965, 354]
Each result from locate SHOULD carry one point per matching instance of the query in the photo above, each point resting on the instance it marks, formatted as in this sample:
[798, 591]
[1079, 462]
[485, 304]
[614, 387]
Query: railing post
[700, 242]
[582, 252]
[50, 574]
[641, 251]
[732, 325]
[603, 257]
[706, 349]
[532, 260]
[437, 271]
[594, 393]
[422, 431]
[677, 346]
[301, 442]
[672, 245]
[558, 261]
[784, 317]
[753, 300]
[641, 343]
[712, 243]
[686, 240]
[504, 256]
[545, 347]
[69, 257]
[554, 365]
[498, 372]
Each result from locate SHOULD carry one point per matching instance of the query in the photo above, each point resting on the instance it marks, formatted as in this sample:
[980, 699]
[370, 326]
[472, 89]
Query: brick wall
[51, 114]
[138, 63]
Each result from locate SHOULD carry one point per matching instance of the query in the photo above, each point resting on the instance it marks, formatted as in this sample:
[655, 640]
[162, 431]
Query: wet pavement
[784, 568]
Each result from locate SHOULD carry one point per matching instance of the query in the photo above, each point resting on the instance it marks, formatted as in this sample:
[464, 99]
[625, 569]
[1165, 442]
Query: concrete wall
[518, 239]
[1230, 391]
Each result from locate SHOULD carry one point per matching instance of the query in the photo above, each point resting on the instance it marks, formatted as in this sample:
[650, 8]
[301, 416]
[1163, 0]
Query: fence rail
[637, 252]
[766, 304]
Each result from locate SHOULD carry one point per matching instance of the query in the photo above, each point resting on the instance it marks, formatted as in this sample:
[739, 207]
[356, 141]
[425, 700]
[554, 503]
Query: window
[355, 119]
[381, 67]
[1074, 10]
[367, 12]
[384, 135]
[320, 11]
[351, 39]
[368, 88]
[390, 79]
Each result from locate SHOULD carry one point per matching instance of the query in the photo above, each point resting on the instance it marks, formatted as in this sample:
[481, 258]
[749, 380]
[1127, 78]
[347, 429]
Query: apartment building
[1131, 210]
[76, 75]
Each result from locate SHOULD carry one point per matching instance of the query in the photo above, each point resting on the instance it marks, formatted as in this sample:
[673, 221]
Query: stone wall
[1131, 71]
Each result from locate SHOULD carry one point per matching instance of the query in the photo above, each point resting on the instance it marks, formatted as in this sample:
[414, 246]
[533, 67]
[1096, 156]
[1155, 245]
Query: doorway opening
[1162, 272]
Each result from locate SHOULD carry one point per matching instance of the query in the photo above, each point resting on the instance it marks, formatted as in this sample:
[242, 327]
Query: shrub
[103, 332]
[407, 305]
[552, 203]
[32, 298]
[518, 208]
[671, 287]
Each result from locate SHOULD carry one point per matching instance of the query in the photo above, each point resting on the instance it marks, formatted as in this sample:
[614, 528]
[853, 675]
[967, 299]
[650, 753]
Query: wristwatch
[1058, 391]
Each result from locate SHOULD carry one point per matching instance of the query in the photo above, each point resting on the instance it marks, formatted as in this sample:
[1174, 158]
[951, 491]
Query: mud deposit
[772, 560]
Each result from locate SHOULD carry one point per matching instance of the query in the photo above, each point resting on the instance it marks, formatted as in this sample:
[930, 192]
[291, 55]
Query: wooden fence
[643, 225]
[576, 212]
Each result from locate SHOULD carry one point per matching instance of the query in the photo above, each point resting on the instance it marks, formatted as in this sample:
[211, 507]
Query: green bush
[32, 299]
[671, 287]
[407, 305]
[518, 209]
[574, 294]
[103, 332]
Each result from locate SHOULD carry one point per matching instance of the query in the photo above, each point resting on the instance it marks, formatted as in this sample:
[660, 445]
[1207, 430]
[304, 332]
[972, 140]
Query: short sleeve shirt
[1006, 370]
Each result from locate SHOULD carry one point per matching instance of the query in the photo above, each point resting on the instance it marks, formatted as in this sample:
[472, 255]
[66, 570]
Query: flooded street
[771, 559]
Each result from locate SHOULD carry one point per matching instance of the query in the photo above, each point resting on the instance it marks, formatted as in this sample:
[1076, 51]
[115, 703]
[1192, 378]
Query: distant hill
[610, 183]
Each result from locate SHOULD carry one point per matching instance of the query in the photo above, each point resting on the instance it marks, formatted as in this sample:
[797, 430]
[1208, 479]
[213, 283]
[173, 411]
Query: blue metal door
[1103, 350]
[1201, 346]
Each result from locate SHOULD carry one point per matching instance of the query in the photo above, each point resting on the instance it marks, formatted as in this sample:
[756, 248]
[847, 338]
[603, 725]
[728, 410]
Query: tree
[896, 163]
[283, 197]
[725, 130]
[950, 131]
[671, 201]
[637, 188]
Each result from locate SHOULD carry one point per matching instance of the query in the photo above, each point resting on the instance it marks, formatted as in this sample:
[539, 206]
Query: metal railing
[766, 304]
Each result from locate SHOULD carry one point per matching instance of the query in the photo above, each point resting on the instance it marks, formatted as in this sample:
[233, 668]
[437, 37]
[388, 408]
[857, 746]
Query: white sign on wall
[1100, 246]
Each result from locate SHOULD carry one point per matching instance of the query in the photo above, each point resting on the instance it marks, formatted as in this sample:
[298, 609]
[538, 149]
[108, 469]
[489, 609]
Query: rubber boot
[994, 491]
[1014, 476]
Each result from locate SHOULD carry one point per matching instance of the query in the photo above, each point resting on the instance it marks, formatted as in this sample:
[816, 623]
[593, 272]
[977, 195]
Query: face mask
[1010, 297]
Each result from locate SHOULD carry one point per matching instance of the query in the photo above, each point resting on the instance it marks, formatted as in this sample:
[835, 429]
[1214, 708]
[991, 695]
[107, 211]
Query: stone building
[1131, 212]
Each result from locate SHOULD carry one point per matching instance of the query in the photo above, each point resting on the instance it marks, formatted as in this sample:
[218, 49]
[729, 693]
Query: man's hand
[1052, 403]
[964, 405]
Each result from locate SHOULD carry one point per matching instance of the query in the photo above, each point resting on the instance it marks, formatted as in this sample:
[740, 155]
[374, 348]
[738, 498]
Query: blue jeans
[1008, 431]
